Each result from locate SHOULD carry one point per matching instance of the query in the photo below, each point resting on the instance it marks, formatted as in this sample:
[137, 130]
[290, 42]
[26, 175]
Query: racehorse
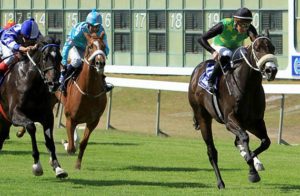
[26, 98]
[241, 101]
[85, 100]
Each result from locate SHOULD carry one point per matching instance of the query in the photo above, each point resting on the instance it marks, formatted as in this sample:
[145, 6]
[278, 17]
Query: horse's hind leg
[83, 143]
[205, 127]
[21, 132]
[4, 132]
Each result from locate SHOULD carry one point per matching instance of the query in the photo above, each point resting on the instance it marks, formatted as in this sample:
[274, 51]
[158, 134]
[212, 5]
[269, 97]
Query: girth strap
[216, 106]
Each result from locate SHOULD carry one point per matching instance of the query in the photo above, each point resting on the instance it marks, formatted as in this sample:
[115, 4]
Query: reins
[262, 60]
[41, 72]
[95, 53]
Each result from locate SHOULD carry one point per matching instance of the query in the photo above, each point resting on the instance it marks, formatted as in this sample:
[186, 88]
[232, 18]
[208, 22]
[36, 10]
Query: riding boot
[212, 78]
[108, 86]
[62, 73]
[68, 72]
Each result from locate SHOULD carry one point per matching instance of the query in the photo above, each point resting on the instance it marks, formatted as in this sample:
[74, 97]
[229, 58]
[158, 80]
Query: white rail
[281, 89]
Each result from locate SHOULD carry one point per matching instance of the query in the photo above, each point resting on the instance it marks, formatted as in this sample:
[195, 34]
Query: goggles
[244, 25]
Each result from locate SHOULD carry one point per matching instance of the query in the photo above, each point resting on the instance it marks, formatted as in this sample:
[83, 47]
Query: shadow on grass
[136, 183]
[19, 152]
[107, 143]
[171, 169]
[287, 187]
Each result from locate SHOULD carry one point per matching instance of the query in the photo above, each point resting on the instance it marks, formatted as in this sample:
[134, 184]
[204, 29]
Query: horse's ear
[252, 36]
[57, 41]
[102, 35]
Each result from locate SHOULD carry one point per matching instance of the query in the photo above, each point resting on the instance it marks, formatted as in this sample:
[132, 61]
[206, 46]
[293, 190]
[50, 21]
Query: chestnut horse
[26, 98]
[241, 101]
[85, 100]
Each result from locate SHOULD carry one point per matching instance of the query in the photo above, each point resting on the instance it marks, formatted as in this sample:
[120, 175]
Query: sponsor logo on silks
[295, 65]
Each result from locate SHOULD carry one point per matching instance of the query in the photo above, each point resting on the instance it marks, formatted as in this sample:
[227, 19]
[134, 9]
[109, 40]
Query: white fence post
[109, 110]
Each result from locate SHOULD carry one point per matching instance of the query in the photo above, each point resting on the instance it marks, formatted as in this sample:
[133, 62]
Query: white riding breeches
[76, 55]
[223, 51]
[7, 54]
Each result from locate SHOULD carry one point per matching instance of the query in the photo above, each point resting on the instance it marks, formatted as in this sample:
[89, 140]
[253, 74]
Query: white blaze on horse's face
[99, 58]
[53, 53]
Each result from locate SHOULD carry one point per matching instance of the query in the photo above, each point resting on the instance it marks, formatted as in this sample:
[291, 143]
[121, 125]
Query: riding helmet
[94, 18]
[30, 29]
[243, 14]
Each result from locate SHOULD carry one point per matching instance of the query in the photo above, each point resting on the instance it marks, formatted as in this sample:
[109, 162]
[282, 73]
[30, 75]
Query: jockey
[75, 45]
[18, 38]
[228, 35]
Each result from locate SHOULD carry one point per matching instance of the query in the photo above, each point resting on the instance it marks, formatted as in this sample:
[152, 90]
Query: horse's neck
[246, 78]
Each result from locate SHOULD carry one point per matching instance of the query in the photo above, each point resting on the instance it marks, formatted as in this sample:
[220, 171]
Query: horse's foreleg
[260, 132]
[84, 141]
[233, 126]
[257, 163]
[49, 142]
[36, 167]
[70, 126]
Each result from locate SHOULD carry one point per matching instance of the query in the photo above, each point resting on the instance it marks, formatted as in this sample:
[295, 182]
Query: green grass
[122, 163]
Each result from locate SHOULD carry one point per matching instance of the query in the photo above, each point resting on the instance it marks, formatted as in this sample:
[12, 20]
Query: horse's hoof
[254, 177]
[20, 134]
[78, 165]
[259, 167]
[60, 173]
[221, 185]
[37, 169]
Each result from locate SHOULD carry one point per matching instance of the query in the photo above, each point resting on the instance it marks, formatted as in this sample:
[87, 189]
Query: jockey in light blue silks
[18, 38]
[75, 45]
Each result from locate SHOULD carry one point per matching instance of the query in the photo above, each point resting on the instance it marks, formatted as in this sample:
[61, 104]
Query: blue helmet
[30, 29]
[94, 18]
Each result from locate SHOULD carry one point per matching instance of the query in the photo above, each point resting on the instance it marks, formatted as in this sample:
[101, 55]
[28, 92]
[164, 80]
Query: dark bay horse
[85, 100]
[241, 102]
[26, 98]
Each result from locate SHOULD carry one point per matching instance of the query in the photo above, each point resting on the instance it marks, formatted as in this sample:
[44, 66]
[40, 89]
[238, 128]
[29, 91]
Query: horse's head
[262, 51]
[94, 54]
[49, 61]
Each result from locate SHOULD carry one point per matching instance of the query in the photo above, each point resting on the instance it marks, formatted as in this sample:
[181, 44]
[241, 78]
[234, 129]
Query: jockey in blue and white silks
[18, 38]
[76, 42]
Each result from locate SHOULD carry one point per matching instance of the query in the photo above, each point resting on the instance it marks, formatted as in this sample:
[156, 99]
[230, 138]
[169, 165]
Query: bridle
[43, 71]
[99, 66]
[261, 61]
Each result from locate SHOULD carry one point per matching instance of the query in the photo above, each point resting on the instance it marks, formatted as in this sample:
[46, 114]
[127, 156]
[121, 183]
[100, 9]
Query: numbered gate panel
[139, 4]
[71, 4]
[107, 24]
[175, 41]
[175, 4]
[139, 34]
[22, 4]
[104, 4]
